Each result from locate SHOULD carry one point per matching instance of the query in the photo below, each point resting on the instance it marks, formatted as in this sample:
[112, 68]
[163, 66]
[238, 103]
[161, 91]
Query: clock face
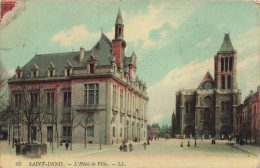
[207, 101]
[207, 85]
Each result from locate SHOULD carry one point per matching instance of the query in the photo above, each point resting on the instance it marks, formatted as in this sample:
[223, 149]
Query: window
[119, 31]
[120, 132]
[16, 131]
[90, 117]
[222, 82]
[230, 64]
[34, 99]
[91, 94]
[114, 95]
[229, 82]
[91, 68]
[50, 99]
[121, 119]
[67, 99]
[34, 74]
[222, 64]
[66, 131]
[17, 100]
[121, 98]
[68, 72]
[113, 117]
[206, 114]
[187, 107]
[18, 75]
[90, 131]
[114, 132]
[51, 73]
[226, 64]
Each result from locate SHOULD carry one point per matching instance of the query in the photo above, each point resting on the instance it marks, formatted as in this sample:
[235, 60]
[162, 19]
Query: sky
[175, 41]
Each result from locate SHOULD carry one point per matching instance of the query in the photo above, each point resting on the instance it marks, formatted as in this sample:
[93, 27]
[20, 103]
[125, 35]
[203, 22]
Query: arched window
[119, 31]
[222, 82]
[206, 114]
[230, 64]
[187, 107]
[229, 82]
[222, 106]
[226, 64]
[222, 64]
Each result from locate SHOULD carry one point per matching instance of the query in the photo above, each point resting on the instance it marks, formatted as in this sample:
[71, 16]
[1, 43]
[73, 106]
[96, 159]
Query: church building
[90, 95]
[210, 110]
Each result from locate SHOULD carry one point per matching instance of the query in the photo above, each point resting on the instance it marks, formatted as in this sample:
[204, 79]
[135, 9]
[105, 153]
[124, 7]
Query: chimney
[81, 55]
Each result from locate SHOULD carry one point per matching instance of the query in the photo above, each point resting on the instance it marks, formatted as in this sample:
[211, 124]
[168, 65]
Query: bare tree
[30, 107]
[87, 117]
[75, 122]
[3, 85]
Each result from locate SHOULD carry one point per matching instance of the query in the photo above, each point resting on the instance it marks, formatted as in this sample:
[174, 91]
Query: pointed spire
[119, 19]
[226, 44]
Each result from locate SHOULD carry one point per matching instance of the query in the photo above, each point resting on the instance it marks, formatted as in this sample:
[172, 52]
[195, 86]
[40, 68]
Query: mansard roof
[226, 44]
[207, 77]
[102, 51]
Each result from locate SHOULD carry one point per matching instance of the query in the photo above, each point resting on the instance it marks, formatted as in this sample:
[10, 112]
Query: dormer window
[35, 71]
[51, 73]
[91, 63]
[19, 72]
[68, 69]
[18, 75]
[51, 70]
[91, 68]
[68, 72]
[34, 74]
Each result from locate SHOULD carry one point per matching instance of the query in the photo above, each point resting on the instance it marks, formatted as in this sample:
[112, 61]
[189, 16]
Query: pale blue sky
[175, 42]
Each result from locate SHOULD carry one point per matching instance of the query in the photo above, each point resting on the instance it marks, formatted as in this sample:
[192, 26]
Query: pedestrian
[145, 146]
[188, 143]
[67, 145]
[131, 147]
[125, 147]
[181, 144]
[155, 138]
[121, 148]
[148, 142]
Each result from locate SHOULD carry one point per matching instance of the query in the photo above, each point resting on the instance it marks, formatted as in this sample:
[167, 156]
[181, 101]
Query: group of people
[151, 138]
[123, 147]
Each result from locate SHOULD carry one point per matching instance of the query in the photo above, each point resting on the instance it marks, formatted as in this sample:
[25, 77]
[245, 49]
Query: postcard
[130, 84]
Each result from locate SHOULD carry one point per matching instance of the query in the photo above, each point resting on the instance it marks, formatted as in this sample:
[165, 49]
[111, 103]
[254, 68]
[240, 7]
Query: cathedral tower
[225, 66]
[118, 43]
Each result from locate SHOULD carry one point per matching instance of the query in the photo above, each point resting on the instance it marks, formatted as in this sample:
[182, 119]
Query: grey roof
[119, 19]
[102, 51]
[226, 44]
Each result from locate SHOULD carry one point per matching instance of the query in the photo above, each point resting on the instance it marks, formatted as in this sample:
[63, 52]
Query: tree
[29, 104]
[74, 121]
[3, 87]
[86, 117]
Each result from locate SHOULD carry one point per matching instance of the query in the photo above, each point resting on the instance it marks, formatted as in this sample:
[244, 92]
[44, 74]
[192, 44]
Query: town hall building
[94, 93]
[210, 110]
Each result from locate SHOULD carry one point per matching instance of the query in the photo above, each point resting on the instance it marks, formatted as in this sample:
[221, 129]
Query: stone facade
[248, 117]
[95, 92]
[210, 110]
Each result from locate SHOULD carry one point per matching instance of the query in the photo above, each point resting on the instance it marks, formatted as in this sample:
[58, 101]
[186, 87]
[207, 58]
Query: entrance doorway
[49, 133]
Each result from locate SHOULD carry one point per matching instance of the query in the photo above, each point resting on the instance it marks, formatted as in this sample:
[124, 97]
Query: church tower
[225, 66]
[118, 43]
